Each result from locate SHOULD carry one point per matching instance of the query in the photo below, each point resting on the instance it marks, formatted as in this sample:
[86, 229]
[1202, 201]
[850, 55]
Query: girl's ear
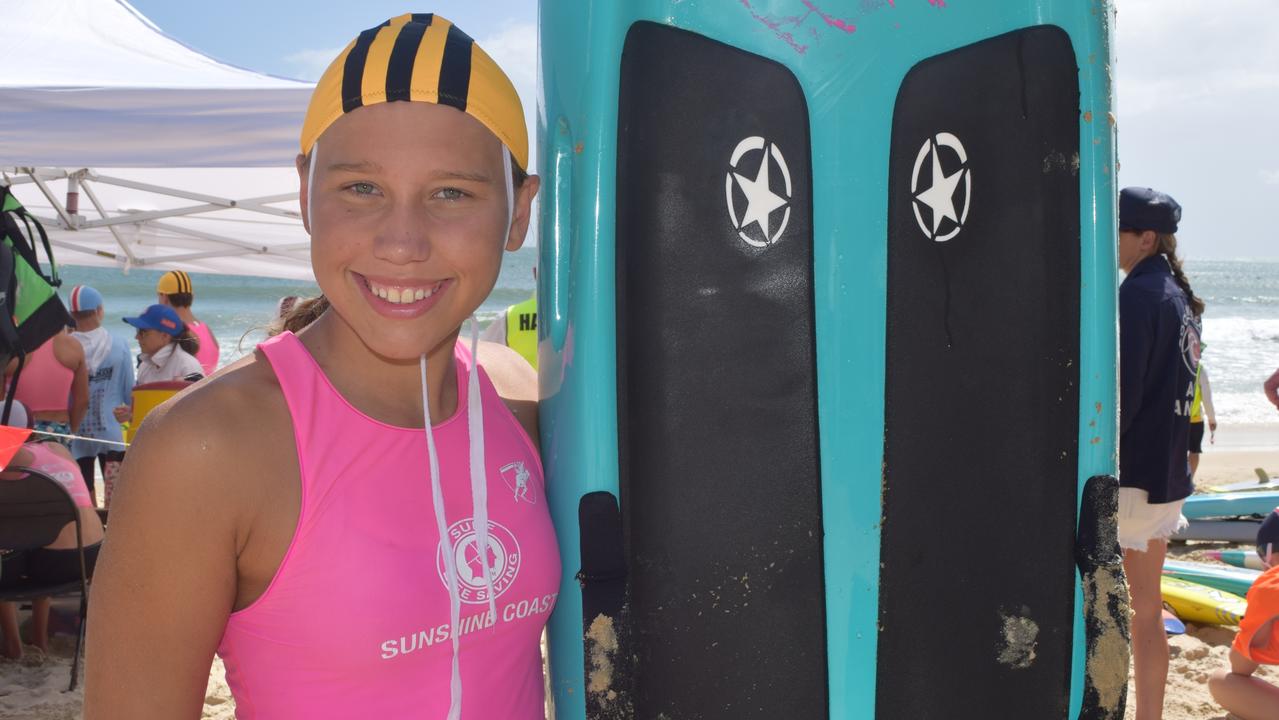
[523, 212]
[304, 189]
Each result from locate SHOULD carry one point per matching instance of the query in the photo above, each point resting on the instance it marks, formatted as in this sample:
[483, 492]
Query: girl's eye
[450, 194]
[362, 188]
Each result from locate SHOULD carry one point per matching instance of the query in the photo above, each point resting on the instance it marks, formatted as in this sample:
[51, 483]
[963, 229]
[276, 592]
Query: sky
[1197, 88]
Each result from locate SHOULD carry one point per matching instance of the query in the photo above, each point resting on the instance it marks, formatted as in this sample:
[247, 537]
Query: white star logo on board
[939, 196]
[761, 200]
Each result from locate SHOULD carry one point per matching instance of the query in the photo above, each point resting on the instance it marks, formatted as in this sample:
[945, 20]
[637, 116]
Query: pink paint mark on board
[830, 19]
[937, 3]
[775, 25]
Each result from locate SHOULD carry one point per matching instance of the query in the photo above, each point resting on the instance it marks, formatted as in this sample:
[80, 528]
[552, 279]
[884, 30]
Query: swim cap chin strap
[479, 485]
[479, 512]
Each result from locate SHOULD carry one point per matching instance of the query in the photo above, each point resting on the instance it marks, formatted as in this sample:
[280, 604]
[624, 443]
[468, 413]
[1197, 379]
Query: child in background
[110, 384]
[1257, 644]
[175, 290]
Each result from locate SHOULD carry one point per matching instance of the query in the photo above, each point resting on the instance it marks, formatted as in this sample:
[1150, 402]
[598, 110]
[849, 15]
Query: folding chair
[33, 511]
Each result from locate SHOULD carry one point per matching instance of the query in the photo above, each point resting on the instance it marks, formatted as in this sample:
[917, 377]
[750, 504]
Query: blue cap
[85, 298]
[1268, 534]
[158, 317]
[1148, 209]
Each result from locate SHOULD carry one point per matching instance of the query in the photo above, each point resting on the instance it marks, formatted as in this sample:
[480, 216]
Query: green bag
[30, 310]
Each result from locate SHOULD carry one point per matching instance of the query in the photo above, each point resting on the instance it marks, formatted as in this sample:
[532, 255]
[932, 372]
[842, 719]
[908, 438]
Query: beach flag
[11, 439]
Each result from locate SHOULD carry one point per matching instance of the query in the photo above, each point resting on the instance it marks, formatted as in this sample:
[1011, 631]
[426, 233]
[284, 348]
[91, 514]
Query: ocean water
[1240, 333]
[1241, 323]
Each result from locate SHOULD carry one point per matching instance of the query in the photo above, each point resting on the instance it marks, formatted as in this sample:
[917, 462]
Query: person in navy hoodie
[1158, 357]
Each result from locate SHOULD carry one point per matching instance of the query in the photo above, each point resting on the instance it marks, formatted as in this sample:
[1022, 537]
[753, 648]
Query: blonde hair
[1166, 244]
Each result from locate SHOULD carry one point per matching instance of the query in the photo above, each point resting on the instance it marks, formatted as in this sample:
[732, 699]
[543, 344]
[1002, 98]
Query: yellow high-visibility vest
[521, 329]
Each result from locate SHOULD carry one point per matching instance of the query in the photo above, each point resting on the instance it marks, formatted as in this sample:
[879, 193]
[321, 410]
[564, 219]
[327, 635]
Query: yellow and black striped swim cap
[174, 282]
[419, 57]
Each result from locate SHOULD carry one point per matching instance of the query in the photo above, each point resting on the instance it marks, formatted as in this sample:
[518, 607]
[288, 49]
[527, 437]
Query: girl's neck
[385, 389]
[185, 314]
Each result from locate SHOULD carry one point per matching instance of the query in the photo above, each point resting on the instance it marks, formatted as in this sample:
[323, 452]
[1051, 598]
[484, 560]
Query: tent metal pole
[67, 221]
[115, 232]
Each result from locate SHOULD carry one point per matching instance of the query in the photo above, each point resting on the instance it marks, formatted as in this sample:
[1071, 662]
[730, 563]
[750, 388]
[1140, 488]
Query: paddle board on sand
[1234, 531]
[1263, 482]
[1232, 580]
[1201, 604]
[1239, 558]
[1237, 504]
[783, 243]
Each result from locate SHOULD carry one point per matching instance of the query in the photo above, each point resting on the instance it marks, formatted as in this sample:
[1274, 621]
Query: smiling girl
[332, 514]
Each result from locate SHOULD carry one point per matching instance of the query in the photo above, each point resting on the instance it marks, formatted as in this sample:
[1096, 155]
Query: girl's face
[408, 220]
[152, 341]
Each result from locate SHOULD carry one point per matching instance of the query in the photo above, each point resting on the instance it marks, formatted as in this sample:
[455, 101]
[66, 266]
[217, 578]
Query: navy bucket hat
[1143, 208]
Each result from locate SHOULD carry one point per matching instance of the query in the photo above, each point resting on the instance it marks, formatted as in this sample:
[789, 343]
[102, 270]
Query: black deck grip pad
[1105, 590]
[717, 397]
[977, 583]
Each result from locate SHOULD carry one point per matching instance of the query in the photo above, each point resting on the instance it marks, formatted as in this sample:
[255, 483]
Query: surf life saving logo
[754, 171]
[1190, 345]
[502, 557]
[517, 477]
[945, 192]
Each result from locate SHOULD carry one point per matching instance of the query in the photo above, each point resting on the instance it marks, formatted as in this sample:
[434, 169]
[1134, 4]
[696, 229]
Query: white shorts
[1140, 521]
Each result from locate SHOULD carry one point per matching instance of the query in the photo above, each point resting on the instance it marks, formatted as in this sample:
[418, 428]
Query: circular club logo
[1191, 346]
[750, 177]
[948, 177]
[502, 557]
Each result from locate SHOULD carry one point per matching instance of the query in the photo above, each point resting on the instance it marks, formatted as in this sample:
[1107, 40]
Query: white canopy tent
[135, 150]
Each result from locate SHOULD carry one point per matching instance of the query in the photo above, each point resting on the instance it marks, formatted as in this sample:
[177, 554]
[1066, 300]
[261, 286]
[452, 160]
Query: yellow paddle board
[1201, 604]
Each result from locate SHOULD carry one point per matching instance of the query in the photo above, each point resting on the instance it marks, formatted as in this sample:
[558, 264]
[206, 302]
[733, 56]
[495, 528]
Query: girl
[1158, 359]
[168, 346]
[365, 558]
[57, 562]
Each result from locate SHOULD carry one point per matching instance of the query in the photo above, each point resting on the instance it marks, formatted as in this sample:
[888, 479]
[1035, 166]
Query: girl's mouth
[401, 298]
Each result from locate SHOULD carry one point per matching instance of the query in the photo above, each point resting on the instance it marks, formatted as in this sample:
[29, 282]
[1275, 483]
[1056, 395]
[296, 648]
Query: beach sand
[1203, 650]
[32, 688]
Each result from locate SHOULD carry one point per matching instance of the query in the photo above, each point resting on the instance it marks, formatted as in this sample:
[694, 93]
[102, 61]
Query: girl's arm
[1241, 665]
[1205, 392]
[166, 581]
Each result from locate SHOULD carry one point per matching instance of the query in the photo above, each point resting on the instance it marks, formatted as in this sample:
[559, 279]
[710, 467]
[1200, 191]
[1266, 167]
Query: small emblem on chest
[517, 477]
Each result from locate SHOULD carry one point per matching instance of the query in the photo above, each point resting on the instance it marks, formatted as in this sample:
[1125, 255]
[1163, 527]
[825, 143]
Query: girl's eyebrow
[362, 166]
[368, 166]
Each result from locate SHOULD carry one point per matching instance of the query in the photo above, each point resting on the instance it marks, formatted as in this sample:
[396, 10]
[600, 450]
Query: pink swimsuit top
[45, 383]
[65, 471]
[355, 622]
[209, 352]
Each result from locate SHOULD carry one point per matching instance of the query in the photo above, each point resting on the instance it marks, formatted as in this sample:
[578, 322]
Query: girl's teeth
[402, 296]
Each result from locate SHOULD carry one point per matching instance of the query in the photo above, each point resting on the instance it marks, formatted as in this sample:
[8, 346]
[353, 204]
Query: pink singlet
[65, 471]
[45, 383]
[209, 351]
[356, 621]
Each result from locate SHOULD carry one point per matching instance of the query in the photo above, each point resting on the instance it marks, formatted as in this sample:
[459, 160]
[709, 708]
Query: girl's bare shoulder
[230, 420]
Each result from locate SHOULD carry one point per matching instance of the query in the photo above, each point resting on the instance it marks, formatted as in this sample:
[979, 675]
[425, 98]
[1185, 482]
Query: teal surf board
[1232, 580]
[1237, 504]
[783, 246]
[1239, 558]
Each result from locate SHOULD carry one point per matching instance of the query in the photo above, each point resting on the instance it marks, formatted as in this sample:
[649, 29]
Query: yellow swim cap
[174, 282]
[418, 57]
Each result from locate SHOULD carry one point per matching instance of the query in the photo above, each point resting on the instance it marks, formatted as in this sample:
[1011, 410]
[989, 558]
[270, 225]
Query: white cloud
[311, 64]
[1269, 177]
[1171, 53]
